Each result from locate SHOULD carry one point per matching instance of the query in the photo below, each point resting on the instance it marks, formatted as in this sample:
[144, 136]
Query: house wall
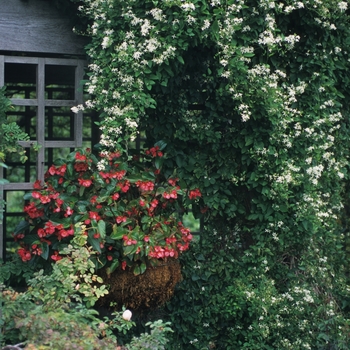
[37, 26]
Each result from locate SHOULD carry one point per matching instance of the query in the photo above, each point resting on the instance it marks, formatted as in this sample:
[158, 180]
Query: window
[42, 91]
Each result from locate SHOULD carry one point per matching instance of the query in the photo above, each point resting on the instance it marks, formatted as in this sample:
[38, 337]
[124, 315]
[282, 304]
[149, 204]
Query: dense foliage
[55, 311]
[250, 97]
[128, 209]
[10, 132]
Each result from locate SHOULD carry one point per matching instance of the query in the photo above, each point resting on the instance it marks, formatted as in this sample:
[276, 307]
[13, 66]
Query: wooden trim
[47, 103]
[48, 60]
[27, 144]
[2, 70]
[59, 144]
[2, 240]
[78, 120]
[40, 127]
[50, 144]
[64, 61]
[18, 186]
[24, 101]
[19, 59]
[60, 103]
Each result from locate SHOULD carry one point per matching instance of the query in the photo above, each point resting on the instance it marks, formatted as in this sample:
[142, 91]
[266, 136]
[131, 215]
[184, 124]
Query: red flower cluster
[195, 193]
[154, 152]
[171, 195]
[130, 210]
[85, 182]
[25, 254]
[145, 186]
[32, 211]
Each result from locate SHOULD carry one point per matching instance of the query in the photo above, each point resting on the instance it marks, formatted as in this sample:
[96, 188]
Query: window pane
[53, 154]
[25, 117]
[20, 80]
[59, 82]
[14, 201]
[18, 171]
[59, 123]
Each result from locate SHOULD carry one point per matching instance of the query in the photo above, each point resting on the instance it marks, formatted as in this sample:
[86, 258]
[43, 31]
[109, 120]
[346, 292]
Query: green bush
[10, 132]
[55, 311]
[251, 97]
[230, 300]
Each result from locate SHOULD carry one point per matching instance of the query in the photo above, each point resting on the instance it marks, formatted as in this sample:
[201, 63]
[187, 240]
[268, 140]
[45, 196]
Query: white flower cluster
[157, 14]
[343, 6]
[77, 109]
[188, 6]
[245, 112]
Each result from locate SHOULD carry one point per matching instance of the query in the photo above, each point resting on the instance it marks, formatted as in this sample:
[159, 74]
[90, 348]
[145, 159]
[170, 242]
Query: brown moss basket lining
[149, 290]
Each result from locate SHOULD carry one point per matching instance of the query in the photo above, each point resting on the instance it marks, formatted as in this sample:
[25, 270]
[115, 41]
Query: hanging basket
[149, 290]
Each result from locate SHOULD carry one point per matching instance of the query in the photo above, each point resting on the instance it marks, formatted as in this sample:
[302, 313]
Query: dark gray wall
[37, 26]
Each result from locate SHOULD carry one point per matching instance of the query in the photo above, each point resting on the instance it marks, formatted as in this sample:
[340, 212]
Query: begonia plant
[129, 210]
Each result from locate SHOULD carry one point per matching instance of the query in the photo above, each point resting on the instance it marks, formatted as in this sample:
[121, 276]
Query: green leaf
[283, 208]
[28, 196]
[81, 190]
[118, 232]
[146, 218]
[66, 222]
[45, 247]
[159, 162]
[95, 243]
[179, 161]
[161, 144]
[140, 269]
[195, 277]
[180, 59]
[215, 29]
[22, 226]
[130, 249]
[101, 225]
[113, 266]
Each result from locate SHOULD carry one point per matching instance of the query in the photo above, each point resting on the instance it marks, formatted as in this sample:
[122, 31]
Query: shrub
[232, 300]
[55, 310]
[129, 212]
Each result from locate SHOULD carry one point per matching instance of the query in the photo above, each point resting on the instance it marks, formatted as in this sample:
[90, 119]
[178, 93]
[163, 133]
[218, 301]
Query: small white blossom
[342, 6]
[106, 42]
[127, 315]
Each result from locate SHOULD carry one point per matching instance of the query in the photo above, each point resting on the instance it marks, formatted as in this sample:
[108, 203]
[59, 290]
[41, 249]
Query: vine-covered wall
[251, 97]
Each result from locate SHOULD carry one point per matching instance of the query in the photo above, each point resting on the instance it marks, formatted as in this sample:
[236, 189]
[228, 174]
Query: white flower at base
[127, 315]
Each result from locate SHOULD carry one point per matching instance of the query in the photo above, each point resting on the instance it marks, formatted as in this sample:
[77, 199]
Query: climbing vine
[251, 98]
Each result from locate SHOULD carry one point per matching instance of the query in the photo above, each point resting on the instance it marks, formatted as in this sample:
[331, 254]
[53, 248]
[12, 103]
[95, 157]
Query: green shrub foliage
[251, 97]
[10, 132]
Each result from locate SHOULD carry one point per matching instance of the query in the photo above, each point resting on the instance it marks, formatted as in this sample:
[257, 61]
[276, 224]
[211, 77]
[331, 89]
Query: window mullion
[40, 127]
[2, 70]
[2, 82]
[78, 119]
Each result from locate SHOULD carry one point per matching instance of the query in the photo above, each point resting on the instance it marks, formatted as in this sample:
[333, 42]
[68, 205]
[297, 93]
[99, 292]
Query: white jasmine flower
[206, 24]
[342, 6]
[106, 42]
[188, 7]
[75, 109]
